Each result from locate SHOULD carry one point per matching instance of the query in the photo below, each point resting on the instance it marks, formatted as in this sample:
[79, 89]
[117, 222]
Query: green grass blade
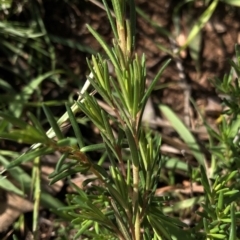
[232, 2]
[153, 83]
[7, 185]
[20, 99]
[184, 133]
[205, 183]
[113, 25]
[104, 46]
[53, 122]
[75, 126]
[29, 156]
[37, 124]
[159, 29]
[204, 18]
[13, 120]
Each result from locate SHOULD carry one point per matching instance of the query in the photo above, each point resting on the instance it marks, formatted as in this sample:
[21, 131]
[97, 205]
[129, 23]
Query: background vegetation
[194, 109]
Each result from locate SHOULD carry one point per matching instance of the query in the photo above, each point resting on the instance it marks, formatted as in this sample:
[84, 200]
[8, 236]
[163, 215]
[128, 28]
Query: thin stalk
[37, 195]
[135, 201]
[121, 37]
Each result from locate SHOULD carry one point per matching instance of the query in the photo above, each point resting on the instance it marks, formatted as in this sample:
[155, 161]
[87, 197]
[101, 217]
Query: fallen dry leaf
[12, 206]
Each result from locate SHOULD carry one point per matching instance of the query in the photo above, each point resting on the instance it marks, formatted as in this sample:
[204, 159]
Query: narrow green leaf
[123, 203]
[62, 166]
[122, 225]
[69, 141]
[232, 2]
[84, 226]
[233, 234]
[92, 109]
[98, 69]
[17, 173]
[8, 186]
[96, 86]
[74, 44]
[161, 30]
[75, 126]
[37, 124]
[34, 84]
[231, 192]
[52, 203]
[60, 163]
[119, 97]
[101, 170]
[6, 86]
[188, 203]
[13, 120]
[106, 77]
[175, 164]
[132, 22]
[93, 147]
[104, 46]
[25, 157]
[122, 108]
[153, 83]
[200, 23]
[230, 175]
[205, 224]
[110, 18]
[184, 133]
[235, 67]
[205, 183]
[195, 49]
[217, 235]
[23, 136]
[27, 91]
[110, 150]
[133, 147]
[122, 88]
[109, 133]
[136, 87]
[220, 201]
[69, 172]
[53, 122]
[158, 228]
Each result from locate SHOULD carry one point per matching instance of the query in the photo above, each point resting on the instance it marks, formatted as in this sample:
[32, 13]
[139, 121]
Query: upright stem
[135, 201]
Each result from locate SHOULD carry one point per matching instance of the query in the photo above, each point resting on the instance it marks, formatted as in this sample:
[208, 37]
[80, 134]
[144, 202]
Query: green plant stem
[135, 201]
[37, 196]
